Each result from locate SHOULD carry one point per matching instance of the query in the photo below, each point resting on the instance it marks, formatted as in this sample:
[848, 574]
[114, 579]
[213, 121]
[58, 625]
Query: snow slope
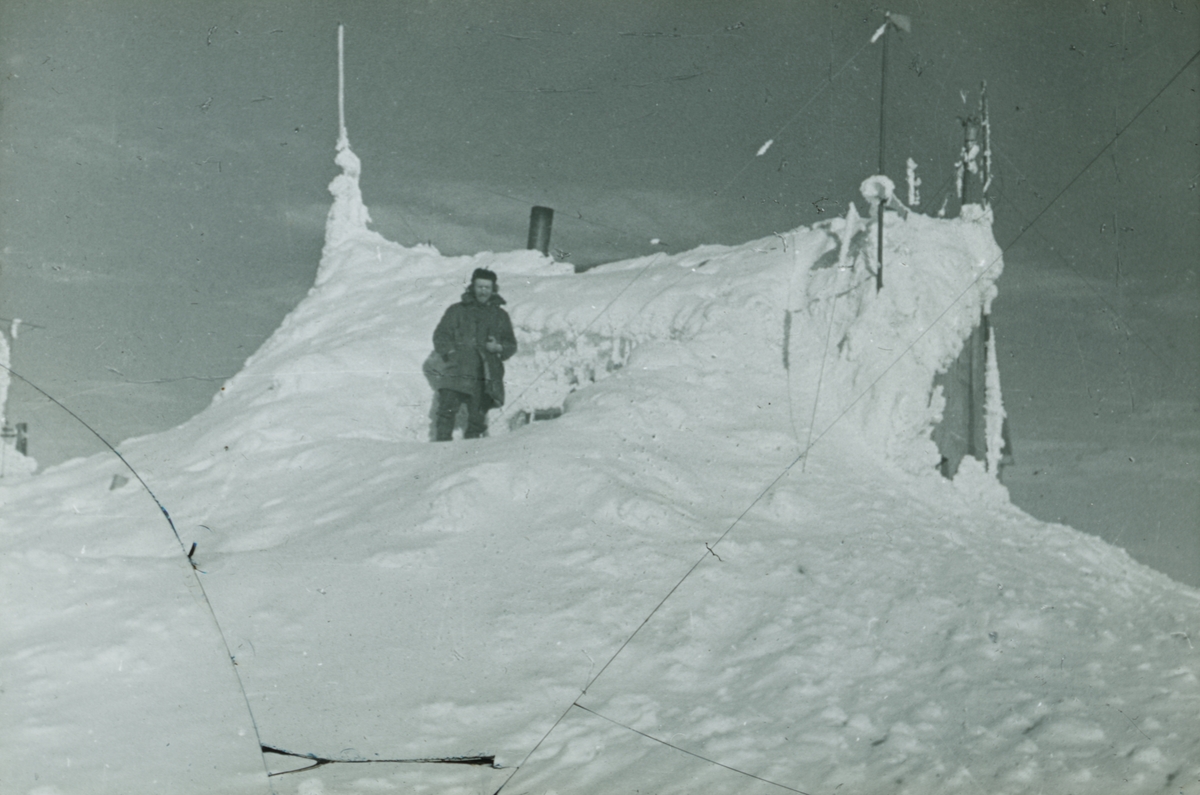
[729, 566]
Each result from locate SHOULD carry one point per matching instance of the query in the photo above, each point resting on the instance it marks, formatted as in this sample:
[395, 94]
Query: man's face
[483, 289]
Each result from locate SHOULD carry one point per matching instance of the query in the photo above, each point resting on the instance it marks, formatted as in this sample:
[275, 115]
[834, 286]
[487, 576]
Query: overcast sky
[163, 164]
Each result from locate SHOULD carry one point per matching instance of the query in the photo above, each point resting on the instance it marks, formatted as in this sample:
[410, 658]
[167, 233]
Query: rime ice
[840, 616]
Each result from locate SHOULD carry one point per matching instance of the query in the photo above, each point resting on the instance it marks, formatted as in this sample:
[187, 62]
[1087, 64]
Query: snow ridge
[858, 622]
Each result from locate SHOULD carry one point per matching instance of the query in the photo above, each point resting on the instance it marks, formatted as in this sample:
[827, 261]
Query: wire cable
[690, 753]
[183, 548]
[839, 417]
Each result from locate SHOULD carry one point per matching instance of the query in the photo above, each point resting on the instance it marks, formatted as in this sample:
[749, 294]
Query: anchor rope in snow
[812, 422]
[787, 336]
[831, 425]
[320, 761]
[106, 443]
[825, 84]
[689, 753]
[183, 547]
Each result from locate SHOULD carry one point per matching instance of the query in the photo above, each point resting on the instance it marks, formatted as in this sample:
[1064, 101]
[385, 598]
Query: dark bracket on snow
[319, 761]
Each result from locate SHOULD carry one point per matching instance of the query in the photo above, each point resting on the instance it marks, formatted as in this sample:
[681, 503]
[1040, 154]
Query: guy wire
[843, 413]
[195, 571]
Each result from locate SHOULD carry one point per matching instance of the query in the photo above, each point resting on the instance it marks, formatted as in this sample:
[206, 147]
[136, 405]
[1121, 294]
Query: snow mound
[730, 565]
[800, 307]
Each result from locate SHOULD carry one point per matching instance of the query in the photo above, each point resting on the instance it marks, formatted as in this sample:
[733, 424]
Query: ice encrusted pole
[348, 215]
[994, 413]
[900, 22]
[343, 138]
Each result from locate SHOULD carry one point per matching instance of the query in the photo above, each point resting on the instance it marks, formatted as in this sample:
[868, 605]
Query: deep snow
[730, 566]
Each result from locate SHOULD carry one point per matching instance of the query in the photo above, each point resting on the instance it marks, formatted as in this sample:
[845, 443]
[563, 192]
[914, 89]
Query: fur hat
[484, 273]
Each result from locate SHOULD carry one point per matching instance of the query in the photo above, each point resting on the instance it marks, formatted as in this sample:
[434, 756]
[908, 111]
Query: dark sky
[163, 164]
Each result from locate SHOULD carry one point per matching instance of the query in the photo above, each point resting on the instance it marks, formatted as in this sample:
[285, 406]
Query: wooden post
[540, 219]
[23, 438]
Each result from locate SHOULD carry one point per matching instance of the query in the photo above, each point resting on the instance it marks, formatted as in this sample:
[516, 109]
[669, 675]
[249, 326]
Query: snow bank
[800, 306]
[729, 566]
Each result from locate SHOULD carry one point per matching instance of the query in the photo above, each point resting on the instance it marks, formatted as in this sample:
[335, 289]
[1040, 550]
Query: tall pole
[883, 96]
[882, 128]
[343, 138]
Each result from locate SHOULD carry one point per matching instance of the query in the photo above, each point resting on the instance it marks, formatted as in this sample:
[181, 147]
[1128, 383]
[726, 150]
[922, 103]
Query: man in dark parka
[474, 338]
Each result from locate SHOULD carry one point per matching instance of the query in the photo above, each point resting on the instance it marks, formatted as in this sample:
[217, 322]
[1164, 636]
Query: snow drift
[729, 566]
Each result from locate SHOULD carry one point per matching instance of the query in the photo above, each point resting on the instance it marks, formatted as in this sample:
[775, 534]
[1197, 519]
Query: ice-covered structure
[375, 301]
[730, 566]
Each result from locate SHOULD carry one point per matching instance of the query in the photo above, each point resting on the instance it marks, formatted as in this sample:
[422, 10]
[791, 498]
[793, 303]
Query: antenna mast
[343, 138]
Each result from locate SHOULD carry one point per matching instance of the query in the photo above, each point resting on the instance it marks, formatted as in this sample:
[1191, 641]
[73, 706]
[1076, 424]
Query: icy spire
[348, 215]
[994, 412]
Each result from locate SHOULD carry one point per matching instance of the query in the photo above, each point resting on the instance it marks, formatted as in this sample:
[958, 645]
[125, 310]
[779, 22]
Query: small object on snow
[762, 150]
[654, 241]
[995, 637]
[321, 760]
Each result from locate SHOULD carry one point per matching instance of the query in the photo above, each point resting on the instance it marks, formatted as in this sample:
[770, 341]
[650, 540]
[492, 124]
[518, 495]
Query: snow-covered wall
[355, 345]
